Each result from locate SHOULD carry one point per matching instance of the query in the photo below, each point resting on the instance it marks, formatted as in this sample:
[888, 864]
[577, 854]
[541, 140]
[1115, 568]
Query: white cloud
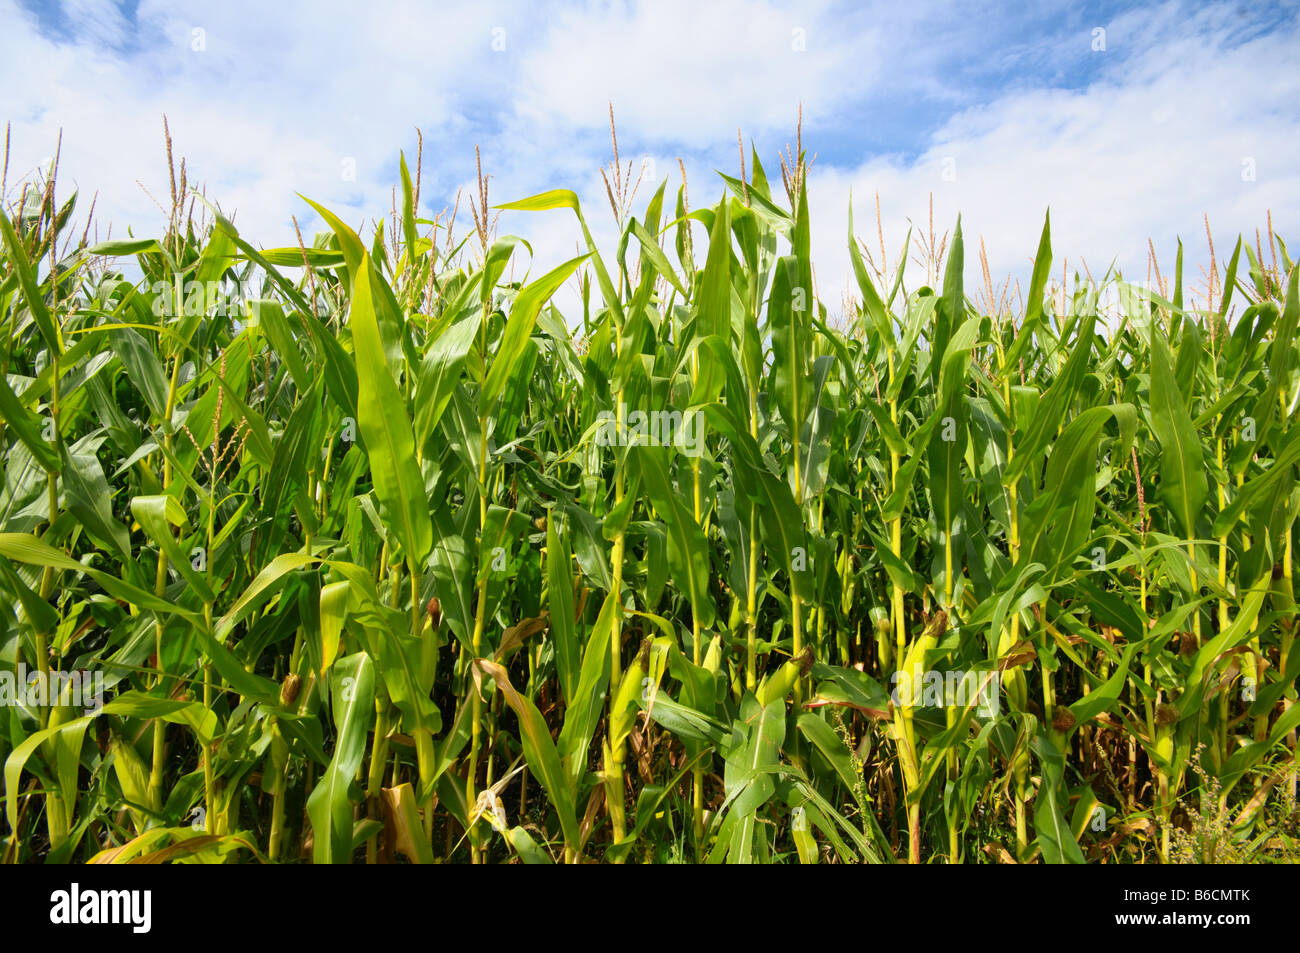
[280, 95]
[1144, 151]
[689, 72]
[263, 105]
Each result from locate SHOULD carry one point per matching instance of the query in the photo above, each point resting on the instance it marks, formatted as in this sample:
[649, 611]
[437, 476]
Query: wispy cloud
[1177, 123]
[998, 110]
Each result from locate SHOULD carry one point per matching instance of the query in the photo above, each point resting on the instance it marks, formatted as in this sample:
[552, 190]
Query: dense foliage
[381, 557]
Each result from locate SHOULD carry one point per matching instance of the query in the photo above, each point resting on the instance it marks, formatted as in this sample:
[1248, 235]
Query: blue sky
[1023, 105]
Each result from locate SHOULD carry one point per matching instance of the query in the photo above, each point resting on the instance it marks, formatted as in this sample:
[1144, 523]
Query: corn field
[371, 555]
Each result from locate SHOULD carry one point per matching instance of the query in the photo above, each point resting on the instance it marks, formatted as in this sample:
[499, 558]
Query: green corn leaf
[687, 547]
[156, 516]
[1183, 485]
[563, 630]
[32, 294]
[1055, 837]
[387, 433]
[520, 325]
[1034, 301]
[329, 806]
[28, 427]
